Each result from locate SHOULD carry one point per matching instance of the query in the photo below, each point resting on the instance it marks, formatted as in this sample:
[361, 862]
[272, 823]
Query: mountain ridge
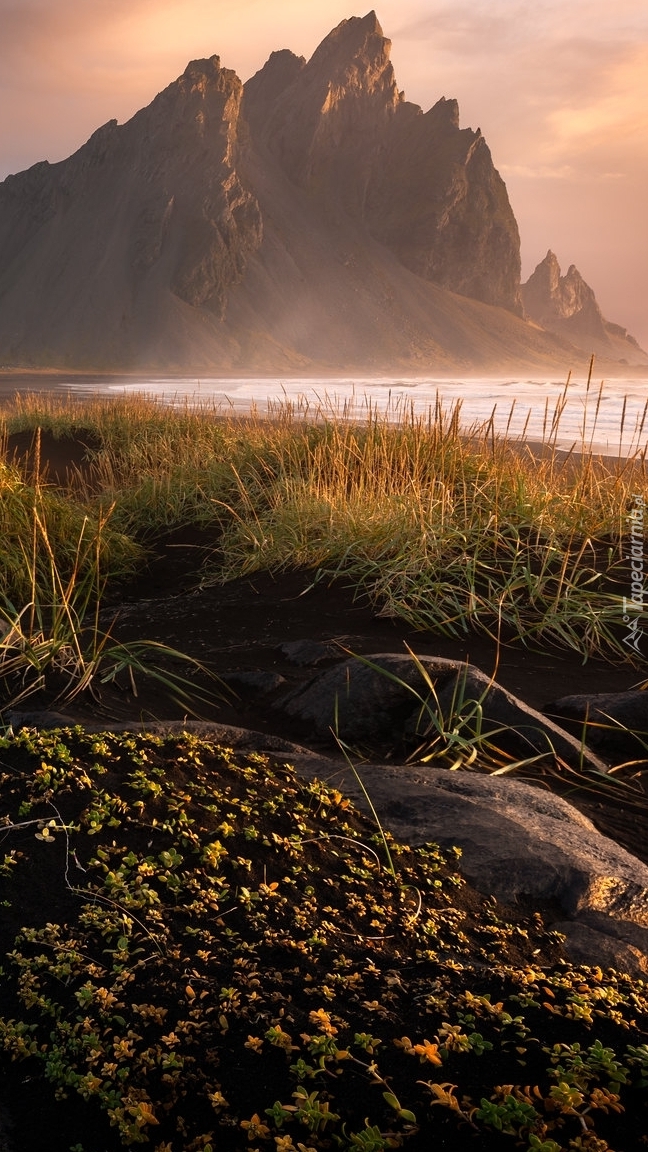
[310, 218]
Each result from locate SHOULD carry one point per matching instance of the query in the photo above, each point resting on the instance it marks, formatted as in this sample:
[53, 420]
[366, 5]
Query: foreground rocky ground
[307, 669]
[205, 950]
[208, 948]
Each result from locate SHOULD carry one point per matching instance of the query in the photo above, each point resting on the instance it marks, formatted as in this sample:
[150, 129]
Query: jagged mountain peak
[356, 43]
[567, 306]
[282, 63]
[355, 56]
[445, 113]
[562, 288]
[352, 38]
[574, 275]
[200, 78]
[328, 112]
[262, 90]
[339, 128]
[548, 295]
[208, 66]
[203, 80]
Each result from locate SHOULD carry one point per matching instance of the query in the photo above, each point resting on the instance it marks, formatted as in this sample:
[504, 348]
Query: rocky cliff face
[423, 187]
[439, 204]
[567, 306]
[93, 247]
[314, 217]
[327, 126]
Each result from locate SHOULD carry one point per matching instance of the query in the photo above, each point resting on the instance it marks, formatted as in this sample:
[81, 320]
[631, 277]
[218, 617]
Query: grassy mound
[201, 951]
[449, 529]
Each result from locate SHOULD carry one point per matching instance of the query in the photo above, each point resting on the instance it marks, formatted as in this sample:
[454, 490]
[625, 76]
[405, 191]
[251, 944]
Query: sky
[559, 90]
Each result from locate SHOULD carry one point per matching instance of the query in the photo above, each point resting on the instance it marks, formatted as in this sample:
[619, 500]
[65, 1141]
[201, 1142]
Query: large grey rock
[309, 653]
[253, 682]
[519, 843]
[615, 943]
[381, 699]
[38, 718]
[615, 723]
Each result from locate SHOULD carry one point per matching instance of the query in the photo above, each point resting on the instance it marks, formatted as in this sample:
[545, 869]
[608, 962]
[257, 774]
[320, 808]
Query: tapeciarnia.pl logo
[633, 606]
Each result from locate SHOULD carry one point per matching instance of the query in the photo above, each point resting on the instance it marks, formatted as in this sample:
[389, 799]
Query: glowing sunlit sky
[560, 91]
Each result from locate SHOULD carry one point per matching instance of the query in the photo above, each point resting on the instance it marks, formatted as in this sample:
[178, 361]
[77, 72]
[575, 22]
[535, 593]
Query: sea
[609, 417]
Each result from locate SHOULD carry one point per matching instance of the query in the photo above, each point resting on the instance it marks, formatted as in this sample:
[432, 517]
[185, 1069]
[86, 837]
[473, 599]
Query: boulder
[614, 943]
[382, 699]
[615, 723]
[253, 682]
[310, 653]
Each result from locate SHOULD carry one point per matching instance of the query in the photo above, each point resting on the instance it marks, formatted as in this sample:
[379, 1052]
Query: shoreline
[391, 400]
[614, 370]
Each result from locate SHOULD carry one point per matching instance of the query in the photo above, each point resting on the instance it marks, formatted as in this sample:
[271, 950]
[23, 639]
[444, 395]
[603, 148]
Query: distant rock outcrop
[567, 306]
[313, 218]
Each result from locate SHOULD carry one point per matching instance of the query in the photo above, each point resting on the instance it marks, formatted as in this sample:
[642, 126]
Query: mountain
[311, 218]
[340, 129]
[567, 306]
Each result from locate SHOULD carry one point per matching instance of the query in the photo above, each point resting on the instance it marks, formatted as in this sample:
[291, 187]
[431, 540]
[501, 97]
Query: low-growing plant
[169, 981]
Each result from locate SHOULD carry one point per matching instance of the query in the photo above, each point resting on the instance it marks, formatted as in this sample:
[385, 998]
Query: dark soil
[57, 460]
[243, 627]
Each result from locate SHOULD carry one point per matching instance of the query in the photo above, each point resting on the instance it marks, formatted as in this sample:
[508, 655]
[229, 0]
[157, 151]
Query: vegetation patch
[449, 529]
[201, 951]
[40, 525]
